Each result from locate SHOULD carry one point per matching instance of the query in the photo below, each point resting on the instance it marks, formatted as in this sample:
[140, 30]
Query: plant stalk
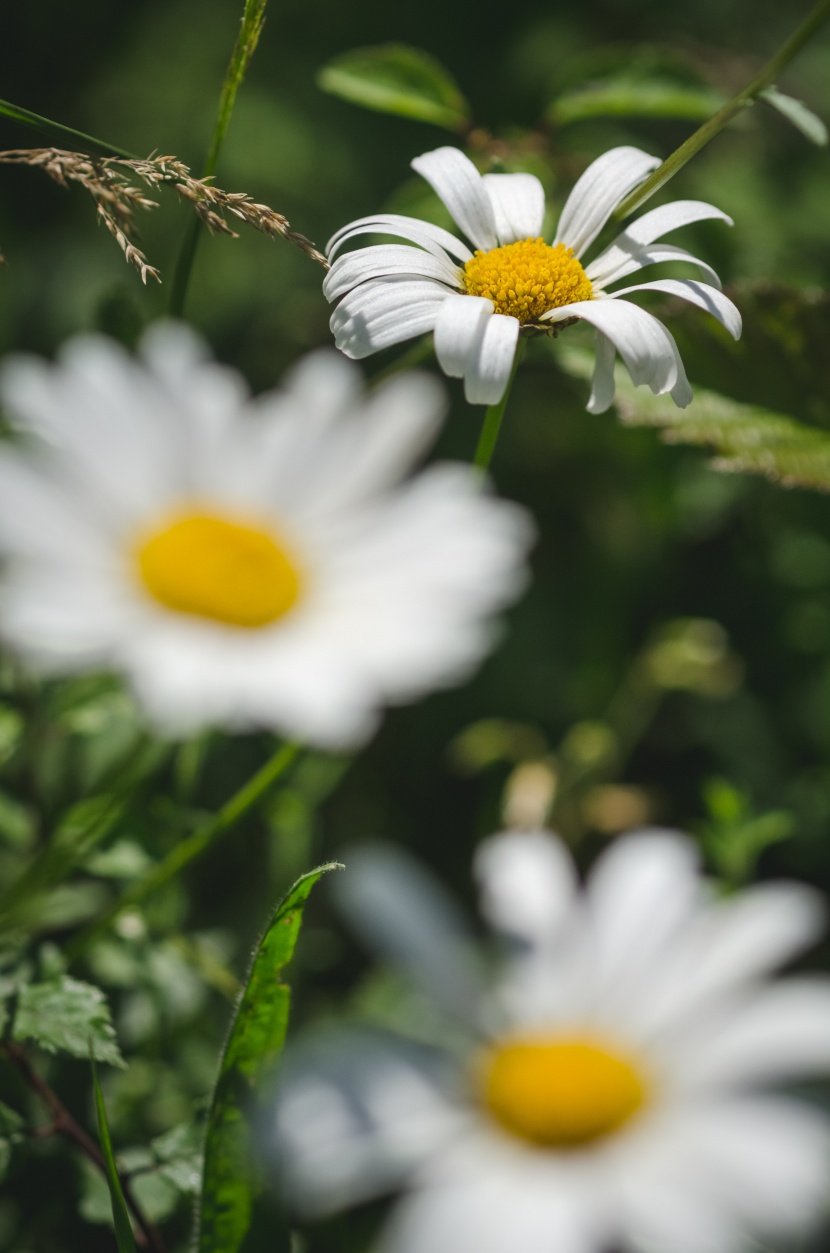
[192, 847]
[716, 123]
[491, 425]
[253, 20]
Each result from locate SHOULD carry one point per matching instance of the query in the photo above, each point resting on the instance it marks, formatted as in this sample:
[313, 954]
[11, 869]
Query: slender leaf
[65, 1015]
[747, 438]
[802, 118]
[255, 1040]
[395, 78]
[629, 97]
[56, 130]
[120, 1217]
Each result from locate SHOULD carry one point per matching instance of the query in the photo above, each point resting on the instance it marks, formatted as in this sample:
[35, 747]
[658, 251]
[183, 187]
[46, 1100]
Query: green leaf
[747, 438]
[64, 1015]
[394, 78]
[256, 1038]
[734, 837]
[57, 131]
[632, 97]
[120, 1217]
[802, 118]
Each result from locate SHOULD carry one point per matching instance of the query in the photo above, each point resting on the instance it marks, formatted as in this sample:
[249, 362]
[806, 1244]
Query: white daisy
[608, 1093]
[477, 303]
[246, 562]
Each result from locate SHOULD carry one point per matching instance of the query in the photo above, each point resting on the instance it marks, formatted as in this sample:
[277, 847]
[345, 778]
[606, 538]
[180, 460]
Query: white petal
[496, 1212]
[459, 184]
[354, 1117]
[700, 294]
[385, 312]
[642, 341]
[433, 238]
[518, 204]
[643, 231]
[668, 217]
[733, 942]
[605, 183]
[383, 259]
[681, 392]
[488, 374]
[781, 1032]
[628, 263]
[406, 915]
[603, 384]
[640, 894]
[711, 1176]
[459, 328]
[527, 883]
[374, 447]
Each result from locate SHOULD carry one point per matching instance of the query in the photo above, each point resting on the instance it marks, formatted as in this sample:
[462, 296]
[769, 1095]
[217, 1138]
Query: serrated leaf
[747, 438]
[395, 78]
[120, 1218]
[631, 97]
[797, 113]
[254, 1043]
[65, 1015]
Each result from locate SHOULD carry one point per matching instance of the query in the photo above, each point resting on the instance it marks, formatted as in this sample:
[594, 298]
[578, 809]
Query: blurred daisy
[246, 562]
[476, 303]
[605, 1091]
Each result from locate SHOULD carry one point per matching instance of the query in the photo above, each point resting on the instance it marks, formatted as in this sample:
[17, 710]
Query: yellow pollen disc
[217, 568]
[526, 279]
[561, 1093]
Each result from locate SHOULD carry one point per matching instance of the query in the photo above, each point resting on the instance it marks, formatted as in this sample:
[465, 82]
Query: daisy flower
[605, 1090]
[245, 562]
[476, 303]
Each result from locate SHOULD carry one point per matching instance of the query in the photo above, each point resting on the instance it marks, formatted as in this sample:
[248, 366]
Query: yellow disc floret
[526, 279]
[219, 568]
[560, 1093]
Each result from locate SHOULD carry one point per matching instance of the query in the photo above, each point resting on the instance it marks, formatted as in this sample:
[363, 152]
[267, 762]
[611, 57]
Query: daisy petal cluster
[245, 562]
[613, 1087]
[477, 300]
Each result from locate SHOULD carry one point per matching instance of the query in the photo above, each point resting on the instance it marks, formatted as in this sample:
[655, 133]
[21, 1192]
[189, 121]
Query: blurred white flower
[476, 303]
[245, 562]
[607, 1092]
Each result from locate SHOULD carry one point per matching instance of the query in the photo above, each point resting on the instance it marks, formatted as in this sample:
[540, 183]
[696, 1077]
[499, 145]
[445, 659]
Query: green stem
[491, 425]
[253, 19]
[66, 849]
[715, 124]
[48, 127]
[192, 847]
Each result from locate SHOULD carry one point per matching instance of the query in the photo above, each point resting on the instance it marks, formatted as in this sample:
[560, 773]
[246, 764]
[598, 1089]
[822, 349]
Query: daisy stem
[491, 425]
[188, 850]
[253, 20]
[716, 123]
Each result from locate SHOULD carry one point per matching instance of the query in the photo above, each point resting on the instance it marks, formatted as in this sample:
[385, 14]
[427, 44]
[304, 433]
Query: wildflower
[245, 562]
[476, 303]
[605, 1091]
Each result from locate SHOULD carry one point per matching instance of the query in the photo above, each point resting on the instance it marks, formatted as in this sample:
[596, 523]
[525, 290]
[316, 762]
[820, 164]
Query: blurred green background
[670, 662]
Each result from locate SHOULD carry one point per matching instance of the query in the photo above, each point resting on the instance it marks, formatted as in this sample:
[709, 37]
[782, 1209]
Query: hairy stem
[64, 1124]
[715, 124]
[191, 848]
[491, 425]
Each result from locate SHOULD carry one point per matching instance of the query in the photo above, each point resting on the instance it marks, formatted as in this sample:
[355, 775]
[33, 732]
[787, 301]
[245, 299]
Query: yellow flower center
[527, 278]
[561, 1093]
[219, 568]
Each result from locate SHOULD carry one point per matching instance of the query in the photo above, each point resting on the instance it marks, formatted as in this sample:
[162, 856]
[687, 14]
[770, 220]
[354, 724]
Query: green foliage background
[604, 670]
